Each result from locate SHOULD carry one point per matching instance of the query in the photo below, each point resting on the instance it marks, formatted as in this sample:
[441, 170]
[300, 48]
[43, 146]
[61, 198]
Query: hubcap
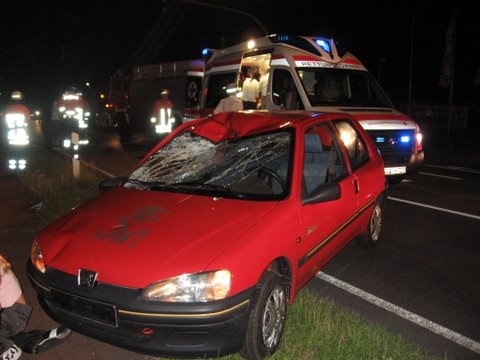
[376, 223]
[273, 318]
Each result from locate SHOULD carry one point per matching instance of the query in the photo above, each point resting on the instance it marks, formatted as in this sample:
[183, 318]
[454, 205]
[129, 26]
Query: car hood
[133, 238]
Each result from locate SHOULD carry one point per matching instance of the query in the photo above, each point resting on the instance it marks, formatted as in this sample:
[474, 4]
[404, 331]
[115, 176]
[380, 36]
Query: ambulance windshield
[340, 87]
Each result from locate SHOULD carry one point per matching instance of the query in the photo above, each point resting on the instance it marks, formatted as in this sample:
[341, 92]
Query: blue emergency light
[325, 45]
[380, 139]
[404, 139]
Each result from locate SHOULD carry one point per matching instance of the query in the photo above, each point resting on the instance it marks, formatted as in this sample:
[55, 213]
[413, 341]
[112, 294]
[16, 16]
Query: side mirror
[325, 192]
[107, 184]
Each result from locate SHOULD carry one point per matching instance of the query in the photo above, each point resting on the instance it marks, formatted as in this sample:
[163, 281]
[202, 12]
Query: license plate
[86, 308]
[395, 170]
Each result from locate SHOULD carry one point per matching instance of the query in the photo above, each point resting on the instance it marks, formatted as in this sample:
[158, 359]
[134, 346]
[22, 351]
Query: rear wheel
[369, 238]
[267, 318]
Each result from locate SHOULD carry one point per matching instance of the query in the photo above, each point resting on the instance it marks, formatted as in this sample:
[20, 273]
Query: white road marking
[106, 173]
[456, 168]
[405, 314]
[477, 217]
[441, 176]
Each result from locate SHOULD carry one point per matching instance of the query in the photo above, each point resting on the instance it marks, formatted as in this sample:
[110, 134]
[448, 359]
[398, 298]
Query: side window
[284, 91]
[353, 142]
[322, 162]
[216, 85]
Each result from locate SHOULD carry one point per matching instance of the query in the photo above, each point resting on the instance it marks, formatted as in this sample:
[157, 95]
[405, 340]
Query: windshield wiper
[199, 185]
[161, 185]
[207, 186]
[146, 184]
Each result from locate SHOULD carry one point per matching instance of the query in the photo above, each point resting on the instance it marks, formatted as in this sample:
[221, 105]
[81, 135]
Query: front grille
[396, 146]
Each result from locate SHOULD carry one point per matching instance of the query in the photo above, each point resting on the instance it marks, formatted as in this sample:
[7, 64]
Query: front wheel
[369, 238]
[267, 318]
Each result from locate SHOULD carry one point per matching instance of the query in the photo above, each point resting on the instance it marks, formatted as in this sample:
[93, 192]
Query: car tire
[267, 318]
[369, 238]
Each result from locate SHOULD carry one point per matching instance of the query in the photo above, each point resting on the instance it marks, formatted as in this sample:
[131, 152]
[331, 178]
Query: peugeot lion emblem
[86, 278]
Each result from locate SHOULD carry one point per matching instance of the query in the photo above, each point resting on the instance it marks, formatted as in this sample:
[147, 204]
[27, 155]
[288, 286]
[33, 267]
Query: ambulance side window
[216, 85]
[284, 91]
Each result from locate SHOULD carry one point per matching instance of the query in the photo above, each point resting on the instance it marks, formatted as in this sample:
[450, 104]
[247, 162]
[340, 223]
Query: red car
[199, 251]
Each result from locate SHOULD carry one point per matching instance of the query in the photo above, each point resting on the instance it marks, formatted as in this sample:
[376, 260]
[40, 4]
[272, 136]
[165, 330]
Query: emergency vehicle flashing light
[325, 45]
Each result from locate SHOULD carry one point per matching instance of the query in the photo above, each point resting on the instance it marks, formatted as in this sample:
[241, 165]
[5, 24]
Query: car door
[364, 170]
[326, 219]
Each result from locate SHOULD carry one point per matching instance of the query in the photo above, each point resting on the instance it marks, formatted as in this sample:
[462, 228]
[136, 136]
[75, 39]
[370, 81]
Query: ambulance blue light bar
[324, 44]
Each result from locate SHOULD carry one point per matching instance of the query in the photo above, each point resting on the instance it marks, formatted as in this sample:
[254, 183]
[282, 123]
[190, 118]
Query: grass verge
[315, 329]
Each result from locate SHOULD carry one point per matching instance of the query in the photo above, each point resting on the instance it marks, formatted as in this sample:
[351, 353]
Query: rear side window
[355, 145]
[322, 162]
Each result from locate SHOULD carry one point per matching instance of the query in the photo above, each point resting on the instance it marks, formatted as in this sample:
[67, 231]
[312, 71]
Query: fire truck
[136, 93]
[317, 74]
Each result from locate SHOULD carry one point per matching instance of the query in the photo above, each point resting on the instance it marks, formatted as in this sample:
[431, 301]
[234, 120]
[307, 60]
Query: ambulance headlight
[419, 138]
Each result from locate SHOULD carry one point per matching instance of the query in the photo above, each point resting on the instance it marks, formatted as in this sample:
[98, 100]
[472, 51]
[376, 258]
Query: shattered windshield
[254, 167]
[339, 87]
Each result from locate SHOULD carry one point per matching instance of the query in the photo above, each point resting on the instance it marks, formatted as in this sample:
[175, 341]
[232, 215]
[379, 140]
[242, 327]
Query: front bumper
[116, 315]
[403, 164]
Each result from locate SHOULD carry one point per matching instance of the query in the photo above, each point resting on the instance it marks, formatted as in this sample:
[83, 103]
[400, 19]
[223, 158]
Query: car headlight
[201, 287]
[36, 257]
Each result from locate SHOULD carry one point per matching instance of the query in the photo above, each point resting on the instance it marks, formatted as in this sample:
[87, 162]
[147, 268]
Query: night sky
[46, 46]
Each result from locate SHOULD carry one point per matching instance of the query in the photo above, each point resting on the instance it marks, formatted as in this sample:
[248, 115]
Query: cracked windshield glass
[239, 167]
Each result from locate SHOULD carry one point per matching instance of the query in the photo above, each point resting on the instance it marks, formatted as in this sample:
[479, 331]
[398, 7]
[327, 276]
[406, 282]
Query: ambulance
[316, 74]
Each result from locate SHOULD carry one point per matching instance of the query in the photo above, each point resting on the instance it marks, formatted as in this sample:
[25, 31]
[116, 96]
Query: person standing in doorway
[250, 91]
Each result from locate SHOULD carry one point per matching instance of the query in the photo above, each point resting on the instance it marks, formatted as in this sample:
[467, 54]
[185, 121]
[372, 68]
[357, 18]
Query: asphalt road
[422, 278]
[420, 281]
